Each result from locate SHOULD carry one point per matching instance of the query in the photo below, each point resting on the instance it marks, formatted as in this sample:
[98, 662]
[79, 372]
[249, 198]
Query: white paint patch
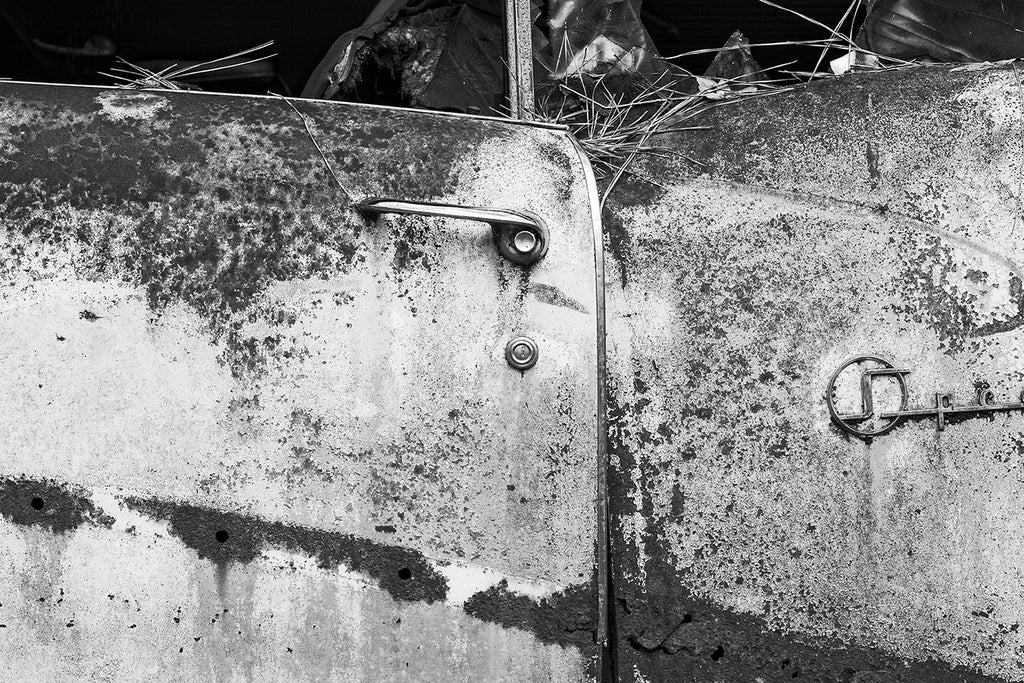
[121, 105]
[465, 581]
[125, 518]
[996, 94]
[308, 565]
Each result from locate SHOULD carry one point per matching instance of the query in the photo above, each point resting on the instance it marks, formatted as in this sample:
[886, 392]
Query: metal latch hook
[521, 236]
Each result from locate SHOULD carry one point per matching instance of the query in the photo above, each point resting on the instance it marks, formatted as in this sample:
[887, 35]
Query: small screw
[521, 353]
[524, 241]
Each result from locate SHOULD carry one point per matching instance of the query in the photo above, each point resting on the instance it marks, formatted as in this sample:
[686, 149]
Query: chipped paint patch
[868, 215]
[270, 364]
[465, 581]
[131, 105]
[131, 601]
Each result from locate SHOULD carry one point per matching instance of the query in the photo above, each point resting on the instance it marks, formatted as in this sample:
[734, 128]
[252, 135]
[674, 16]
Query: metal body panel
[199, 335]
[752, 538]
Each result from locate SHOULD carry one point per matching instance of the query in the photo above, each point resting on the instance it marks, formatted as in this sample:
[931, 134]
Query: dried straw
[134, 76]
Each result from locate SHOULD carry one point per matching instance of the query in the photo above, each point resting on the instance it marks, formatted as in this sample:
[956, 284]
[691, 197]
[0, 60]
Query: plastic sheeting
[945, 30]
[591, 37]
[449, 55]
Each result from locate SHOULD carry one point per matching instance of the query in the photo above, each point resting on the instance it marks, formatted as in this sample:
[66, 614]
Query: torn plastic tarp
[594, 37]
[449, 55]
[945, 30]
[431, 54]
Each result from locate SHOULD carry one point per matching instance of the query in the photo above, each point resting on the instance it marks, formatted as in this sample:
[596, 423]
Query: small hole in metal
[38, 504]
[404, 574]
[221, 536]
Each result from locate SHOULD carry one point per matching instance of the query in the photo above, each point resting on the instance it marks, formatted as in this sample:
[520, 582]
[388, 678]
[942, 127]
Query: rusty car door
[816, 428]
[260, 417]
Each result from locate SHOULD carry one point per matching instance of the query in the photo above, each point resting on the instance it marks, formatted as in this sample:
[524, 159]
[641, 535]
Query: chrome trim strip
[603, 518]
[525, 219]
[519, 51]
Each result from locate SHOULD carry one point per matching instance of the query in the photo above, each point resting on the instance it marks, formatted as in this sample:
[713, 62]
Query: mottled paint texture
[322, 384]
[752, 539]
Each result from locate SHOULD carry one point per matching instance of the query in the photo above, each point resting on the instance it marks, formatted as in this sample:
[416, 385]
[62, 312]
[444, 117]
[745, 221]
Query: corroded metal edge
[603, 559]
[926, 170]
[519, 53]
[273, 96]
[255, 524]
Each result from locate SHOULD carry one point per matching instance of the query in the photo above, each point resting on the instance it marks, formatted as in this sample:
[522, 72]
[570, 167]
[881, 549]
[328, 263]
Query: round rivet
[521, 353]
[524, 241]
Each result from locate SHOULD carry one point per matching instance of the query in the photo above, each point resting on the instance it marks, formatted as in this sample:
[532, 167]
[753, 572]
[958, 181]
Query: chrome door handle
[521, 236]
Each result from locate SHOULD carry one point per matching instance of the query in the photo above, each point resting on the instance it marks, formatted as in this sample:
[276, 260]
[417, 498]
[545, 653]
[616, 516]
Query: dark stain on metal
[566, 618]
[629, 192]
[410, 236]
[227, 199]
[673, 635]
[1011, 323]
[565, 173]
[247, 537]
[930, 295]
[872, 158]
[59, 508]
[554, 296]
[666, 633]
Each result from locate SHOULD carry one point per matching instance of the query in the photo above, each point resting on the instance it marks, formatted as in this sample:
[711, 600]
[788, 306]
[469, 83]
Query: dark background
[691, 27]
[303, 30]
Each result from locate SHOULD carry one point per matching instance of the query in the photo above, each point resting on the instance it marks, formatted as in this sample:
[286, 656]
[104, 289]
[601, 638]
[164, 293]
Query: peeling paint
[465, 581]
[555, 297]
[565, 618]
[223, 537]
[268, 363]
[123, 105]
[48, 504]
[752, 539]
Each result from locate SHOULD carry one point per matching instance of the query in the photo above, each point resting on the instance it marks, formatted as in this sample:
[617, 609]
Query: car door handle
[521, 236]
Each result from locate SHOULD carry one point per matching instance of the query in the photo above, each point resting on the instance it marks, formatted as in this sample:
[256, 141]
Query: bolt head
[524, 241]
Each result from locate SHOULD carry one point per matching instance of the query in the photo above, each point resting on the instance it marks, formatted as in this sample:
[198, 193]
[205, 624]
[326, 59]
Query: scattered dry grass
[617, 118]
[615, 125]
[133, 76]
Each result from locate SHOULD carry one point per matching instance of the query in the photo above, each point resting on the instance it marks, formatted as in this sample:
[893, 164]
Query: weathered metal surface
[250, 434]
[754, 540]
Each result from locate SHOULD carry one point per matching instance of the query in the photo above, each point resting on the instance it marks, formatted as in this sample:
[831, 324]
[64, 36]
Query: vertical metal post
[519, 53]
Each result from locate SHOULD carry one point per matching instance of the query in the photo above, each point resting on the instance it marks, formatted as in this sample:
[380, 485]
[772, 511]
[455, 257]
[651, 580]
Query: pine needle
[134, 76]
[316, 144]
